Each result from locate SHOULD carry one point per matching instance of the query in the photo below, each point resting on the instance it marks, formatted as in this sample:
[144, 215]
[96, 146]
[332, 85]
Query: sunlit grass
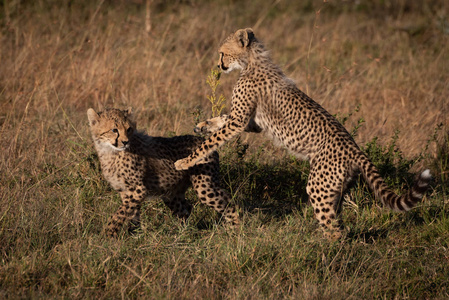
[59, 59]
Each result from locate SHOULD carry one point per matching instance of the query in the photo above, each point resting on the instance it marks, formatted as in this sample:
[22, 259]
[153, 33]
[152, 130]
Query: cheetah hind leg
[179, 206]
[326, 206]
[327, 214]
[210, 193]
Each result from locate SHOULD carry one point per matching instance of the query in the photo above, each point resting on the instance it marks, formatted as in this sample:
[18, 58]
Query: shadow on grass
[368, 236]
[275, 189]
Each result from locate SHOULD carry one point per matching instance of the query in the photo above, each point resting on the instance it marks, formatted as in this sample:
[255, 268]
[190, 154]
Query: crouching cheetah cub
[140, 166]
[271, 102]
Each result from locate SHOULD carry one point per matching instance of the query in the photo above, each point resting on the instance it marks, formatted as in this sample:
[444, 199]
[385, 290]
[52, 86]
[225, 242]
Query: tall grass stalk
[218, 102]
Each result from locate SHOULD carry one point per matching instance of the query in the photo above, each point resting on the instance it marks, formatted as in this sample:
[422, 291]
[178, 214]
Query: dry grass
[58, 58]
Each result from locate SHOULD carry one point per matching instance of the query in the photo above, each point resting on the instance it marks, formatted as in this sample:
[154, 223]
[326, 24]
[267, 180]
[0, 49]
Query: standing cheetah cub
[264, 96]
[140, 166]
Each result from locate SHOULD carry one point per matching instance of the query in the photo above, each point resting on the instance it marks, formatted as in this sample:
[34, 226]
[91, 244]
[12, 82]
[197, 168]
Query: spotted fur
[264, 96]
[215, 124]
[139, 166]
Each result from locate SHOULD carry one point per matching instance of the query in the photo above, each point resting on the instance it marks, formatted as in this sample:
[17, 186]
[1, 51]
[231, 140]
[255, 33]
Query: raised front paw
[183, 164]
[211, 125]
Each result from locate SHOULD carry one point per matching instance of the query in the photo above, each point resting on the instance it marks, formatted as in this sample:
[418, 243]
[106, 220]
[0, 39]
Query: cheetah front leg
[227, 132]
[129, 211]
[212, 125]
[234, 125]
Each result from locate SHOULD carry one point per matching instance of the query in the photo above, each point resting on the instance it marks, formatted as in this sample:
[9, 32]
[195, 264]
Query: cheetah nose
[196, 130]
[125, 143]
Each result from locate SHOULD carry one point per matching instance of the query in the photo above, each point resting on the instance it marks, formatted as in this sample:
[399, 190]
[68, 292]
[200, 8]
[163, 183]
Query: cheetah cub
[139, 166]
[264, 96]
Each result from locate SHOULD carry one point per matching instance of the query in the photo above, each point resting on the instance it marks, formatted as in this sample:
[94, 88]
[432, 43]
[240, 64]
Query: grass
[58, 58]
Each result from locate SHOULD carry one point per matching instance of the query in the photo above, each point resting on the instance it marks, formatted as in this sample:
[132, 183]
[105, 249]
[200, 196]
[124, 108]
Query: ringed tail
[389, 198]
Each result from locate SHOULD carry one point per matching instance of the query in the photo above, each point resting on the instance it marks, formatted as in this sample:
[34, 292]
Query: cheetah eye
[129, 130]
[114, 130]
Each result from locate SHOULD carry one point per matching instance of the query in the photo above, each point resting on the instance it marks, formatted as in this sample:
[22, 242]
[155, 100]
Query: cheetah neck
[260, 61]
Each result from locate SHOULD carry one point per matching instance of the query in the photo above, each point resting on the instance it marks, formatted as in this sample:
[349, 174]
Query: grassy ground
[58, 58]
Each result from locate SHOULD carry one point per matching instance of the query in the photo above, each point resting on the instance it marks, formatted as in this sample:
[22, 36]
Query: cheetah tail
[397, 203]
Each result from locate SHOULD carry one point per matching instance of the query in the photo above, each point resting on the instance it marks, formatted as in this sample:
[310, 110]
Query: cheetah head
[235, 50]
[111, 129]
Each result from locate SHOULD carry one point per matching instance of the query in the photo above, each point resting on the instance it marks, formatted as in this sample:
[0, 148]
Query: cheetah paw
[333, 236]
[111, 232]
[183, 164]
[211, 125]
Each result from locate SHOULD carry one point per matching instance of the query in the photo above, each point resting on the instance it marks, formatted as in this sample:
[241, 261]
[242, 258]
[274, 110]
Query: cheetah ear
[244, 37]
[92, 116]
[128, 114]
[128, 111]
